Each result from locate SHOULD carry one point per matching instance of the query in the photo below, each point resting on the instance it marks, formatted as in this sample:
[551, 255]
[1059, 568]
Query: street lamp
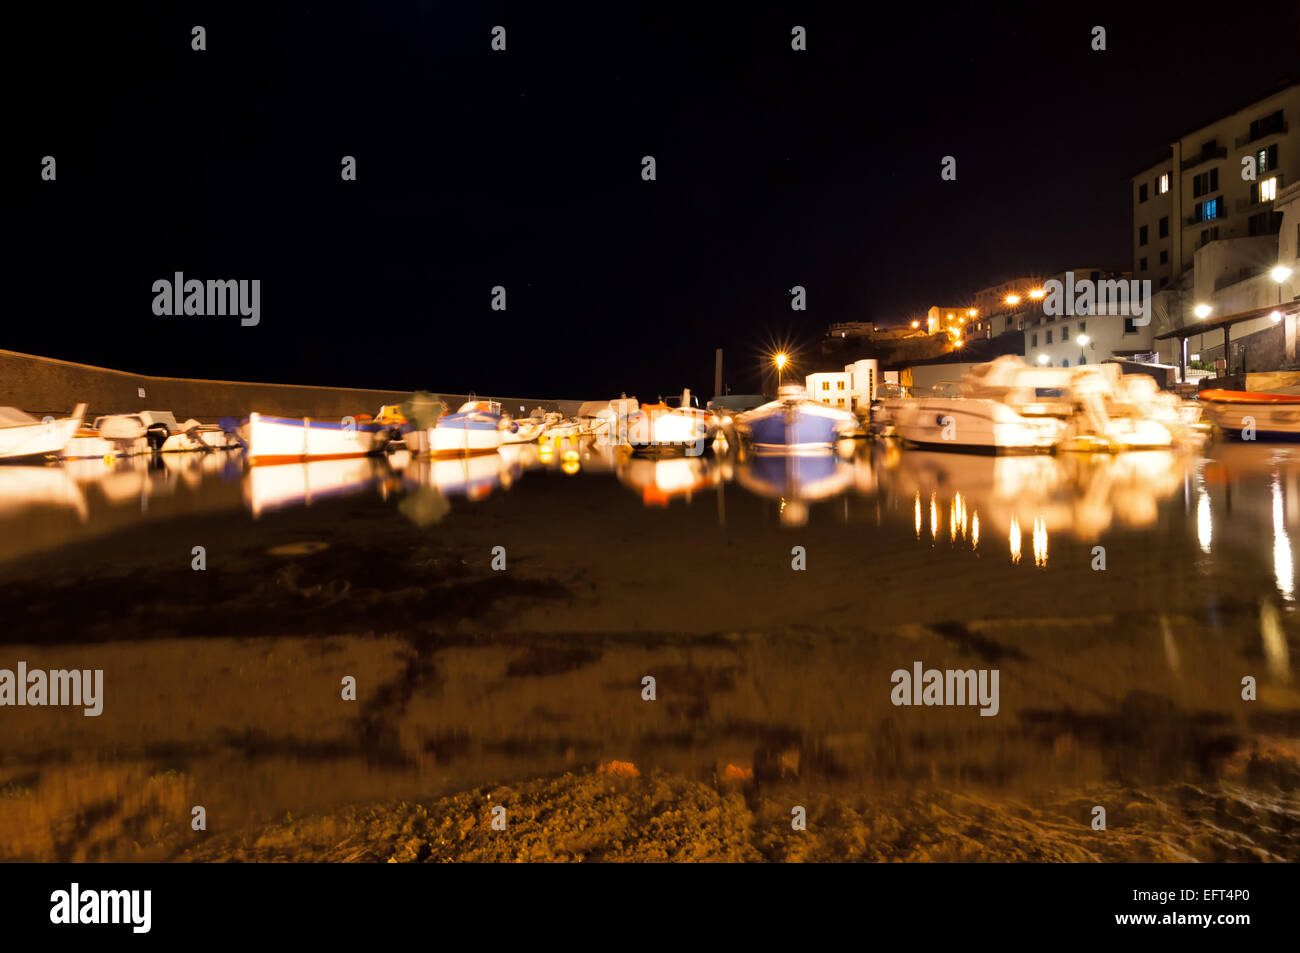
[780, 360]
[1280, 274]
[1037, 293]
[1043, 359]
[1202, 311]
[1012, 300]
[1083, 340]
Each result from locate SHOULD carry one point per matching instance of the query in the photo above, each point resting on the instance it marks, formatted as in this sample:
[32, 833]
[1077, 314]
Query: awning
[1228, 320]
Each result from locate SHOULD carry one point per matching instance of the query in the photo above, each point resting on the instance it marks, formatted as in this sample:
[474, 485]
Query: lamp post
[1280, 274]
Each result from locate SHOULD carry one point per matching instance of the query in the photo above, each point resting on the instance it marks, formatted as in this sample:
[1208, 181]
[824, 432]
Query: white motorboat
[995, 409]
[112, 435]
[23, 437]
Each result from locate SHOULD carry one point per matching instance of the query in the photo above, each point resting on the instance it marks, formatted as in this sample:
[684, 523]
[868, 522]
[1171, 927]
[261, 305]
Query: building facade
[1218, 181]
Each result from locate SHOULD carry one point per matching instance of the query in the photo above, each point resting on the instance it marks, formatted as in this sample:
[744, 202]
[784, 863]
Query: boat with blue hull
[794, 424]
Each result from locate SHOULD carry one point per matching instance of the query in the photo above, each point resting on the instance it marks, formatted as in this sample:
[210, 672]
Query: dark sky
[522, 169]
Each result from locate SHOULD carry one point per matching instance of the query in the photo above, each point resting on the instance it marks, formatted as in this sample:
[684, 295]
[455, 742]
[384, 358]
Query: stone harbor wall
[43, 385]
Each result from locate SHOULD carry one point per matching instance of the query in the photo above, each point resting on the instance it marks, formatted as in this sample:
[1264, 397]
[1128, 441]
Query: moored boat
[474, 428]
[794, 424]
[1253, 415]
[659, 428]
[23, 437]
[112, 435]
[272, 440]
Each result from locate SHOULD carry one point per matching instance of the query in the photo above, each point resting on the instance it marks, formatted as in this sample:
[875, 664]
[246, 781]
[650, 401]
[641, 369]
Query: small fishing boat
[659, 428]
[526, 430]
[794, 424]
[272, 440]
[475, 428]
[22, 436]
[113, 435]
[1253, 415]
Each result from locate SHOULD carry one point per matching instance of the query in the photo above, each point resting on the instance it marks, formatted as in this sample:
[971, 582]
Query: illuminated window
[826, 385]
[1164, 183]
[1268, 190]
[841, 385]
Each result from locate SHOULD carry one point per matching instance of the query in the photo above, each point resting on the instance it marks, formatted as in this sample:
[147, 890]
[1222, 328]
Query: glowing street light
[972, 312]
[1083, 340]
[1280, 274]
[1012, 299]
[916, 324]
[1202, 311]
[1043, 359]
[1037, 293]
[780, 359]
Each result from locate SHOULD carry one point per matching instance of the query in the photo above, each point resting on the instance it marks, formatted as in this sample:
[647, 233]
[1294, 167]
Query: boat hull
[38, 440]
[463, 438]
[1235, 413]
[289, 439]
[974, 424]
[795, 427]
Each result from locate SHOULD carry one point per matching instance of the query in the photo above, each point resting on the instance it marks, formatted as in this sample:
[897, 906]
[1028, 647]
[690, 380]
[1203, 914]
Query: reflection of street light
[1202, 311]
[780, 360]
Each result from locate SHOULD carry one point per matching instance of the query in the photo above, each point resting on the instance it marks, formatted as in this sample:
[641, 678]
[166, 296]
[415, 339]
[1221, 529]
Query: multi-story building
[1200, 191]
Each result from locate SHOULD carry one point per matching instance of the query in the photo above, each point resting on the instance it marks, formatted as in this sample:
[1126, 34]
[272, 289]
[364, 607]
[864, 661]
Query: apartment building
[1203, 189]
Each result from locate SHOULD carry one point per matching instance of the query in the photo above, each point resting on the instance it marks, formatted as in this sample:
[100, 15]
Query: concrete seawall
[44, 385]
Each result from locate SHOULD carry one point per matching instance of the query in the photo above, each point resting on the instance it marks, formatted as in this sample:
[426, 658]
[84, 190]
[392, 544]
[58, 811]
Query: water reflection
[1233, 495]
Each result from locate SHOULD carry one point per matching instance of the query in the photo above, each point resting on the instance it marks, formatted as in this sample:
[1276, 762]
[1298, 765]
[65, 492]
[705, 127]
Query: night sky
[523, 169]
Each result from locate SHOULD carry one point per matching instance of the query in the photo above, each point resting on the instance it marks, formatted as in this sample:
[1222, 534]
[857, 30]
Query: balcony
[1205, 155]
[1248, 139]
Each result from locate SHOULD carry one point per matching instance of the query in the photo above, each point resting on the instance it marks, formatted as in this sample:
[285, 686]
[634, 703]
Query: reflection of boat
[473, 477]
[113, 435]
[22, 487]
[1080, 495]
[1272, 416]
[475, 428]
[292, 439]
[273, 487]
[659, 481]
[793, 423]
[23, 436]
[796, 479]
